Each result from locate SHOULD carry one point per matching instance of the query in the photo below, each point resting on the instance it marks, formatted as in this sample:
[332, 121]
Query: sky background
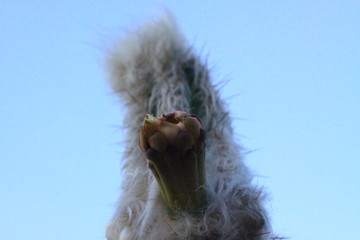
[294, 93]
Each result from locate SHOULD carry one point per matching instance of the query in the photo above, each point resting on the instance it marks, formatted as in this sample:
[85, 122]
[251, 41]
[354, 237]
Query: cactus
[178, 184]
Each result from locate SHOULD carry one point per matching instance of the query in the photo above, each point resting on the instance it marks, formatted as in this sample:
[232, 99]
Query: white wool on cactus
[155, 71]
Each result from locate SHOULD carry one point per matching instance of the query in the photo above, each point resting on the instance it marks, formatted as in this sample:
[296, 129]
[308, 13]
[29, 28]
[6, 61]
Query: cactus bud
[174, 144]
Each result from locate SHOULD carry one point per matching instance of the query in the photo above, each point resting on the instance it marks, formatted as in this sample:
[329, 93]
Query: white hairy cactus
[154, 71]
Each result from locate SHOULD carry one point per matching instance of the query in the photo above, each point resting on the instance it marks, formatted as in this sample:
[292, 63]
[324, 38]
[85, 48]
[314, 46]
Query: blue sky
[294, 93]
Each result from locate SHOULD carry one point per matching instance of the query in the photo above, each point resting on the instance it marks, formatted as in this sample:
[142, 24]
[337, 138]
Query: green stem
[181, 180]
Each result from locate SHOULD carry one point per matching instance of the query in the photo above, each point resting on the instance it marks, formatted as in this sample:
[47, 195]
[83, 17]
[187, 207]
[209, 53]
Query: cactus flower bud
[174, 145]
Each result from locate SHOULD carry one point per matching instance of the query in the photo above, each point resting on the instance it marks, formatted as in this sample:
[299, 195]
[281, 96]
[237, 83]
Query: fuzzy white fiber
[154, 70]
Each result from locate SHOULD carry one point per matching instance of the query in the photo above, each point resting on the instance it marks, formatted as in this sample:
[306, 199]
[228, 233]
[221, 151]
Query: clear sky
[294, 93]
